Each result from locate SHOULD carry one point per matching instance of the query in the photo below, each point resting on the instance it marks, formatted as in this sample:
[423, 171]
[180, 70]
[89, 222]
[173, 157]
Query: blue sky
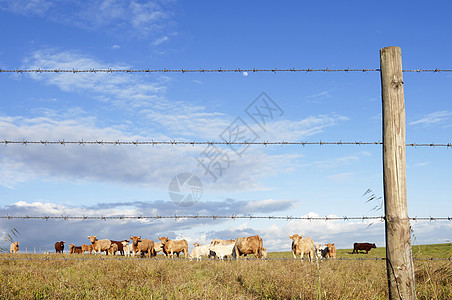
[47, 180]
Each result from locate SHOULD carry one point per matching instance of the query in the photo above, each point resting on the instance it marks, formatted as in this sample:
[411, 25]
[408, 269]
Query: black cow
[212, 254]
[363, 246]
[59, 246]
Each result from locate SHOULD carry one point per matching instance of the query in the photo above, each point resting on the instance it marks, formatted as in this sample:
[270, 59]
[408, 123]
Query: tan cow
[100, 245]
[141, 246]
[158, 247]
[71, 248]
[222, 242]
[113, 249]
[88, 248]
[301, 245]
[171, 246]
[248, 245]
[14, 247]
[331, 251]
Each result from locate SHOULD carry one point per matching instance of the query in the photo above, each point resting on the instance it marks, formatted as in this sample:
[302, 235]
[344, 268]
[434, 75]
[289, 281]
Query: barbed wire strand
[214, 217]
[174, 142]
[219, 70]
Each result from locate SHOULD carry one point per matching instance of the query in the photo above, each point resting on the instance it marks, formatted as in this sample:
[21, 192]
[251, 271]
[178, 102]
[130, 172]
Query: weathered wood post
[399, 260]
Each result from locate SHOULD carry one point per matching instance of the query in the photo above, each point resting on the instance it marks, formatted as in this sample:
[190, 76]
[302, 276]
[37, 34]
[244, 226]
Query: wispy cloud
[160, 40]
[27, 7]
[435, 118]
[163, 120]
[322, 94]
[128, 18]
[341, 177]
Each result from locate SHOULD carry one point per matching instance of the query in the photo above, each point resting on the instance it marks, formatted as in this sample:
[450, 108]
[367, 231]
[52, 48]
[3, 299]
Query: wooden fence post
[399, 260]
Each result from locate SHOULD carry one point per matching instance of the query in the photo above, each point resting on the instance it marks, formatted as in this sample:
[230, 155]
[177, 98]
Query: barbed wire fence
[174, 142]
[219, 70]
[193, 143]
[215, 217]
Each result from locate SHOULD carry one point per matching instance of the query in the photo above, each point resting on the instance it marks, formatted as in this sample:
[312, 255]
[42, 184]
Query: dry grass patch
[182, 279]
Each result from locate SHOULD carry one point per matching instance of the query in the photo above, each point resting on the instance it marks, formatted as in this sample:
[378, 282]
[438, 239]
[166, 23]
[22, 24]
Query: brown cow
[14, 247]
[170, 246]
[301, 245]
[331, 251]
[247, 245]
[363, 246]
[120, 246]
[88, 248]
[59, 246]
[100, 245]
[142, 246]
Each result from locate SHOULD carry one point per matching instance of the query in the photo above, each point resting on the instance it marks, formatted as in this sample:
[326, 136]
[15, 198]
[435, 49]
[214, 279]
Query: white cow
[222, 250]
[321, 251]
[128, 248]
[199, 251]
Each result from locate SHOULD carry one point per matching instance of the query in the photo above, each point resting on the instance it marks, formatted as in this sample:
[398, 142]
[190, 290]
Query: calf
[14, 247]
[113, 249]
[331, 251]
[128, 248]
[120, 246]
[212, 254]
[88, 248]
[363, 246]
[322, 251]
[199, 251]
[75, 249]
[222, 251]
[59, 246]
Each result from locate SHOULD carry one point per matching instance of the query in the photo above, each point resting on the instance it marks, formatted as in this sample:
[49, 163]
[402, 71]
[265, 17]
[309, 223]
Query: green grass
[419, 251]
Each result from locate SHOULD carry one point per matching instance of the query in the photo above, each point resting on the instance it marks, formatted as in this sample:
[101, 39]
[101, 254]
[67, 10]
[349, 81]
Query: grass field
[419, 251]
[97, 277]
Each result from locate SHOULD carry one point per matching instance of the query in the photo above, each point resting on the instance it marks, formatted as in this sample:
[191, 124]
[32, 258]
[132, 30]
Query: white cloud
[341, 177]
[43, 233]
[321, 94]
[163, 119]
[26, 7]
[286, 130]
[433, 118]
[160, 41]
[337, 162]
[123, 17]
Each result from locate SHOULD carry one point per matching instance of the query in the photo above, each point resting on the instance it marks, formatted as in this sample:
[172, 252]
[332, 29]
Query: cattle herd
[218, 248]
